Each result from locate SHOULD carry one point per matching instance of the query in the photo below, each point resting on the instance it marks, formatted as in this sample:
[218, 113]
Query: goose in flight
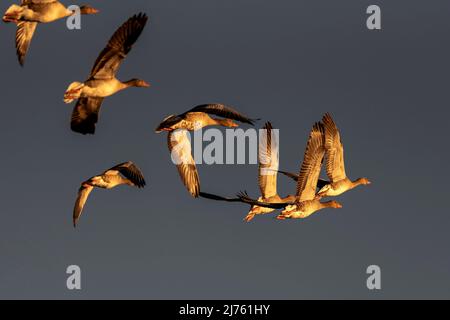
[29, 13]
[180, 145]
[306, 201]
[123, 174]
[268, 163]
[199, 117]
[335, 167]
[102, 81]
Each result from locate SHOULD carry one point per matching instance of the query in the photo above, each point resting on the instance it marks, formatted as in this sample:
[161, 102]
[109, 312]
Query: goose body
[335, 166]
[29, 13]
[304, 209]
[126, 173]
[337, 188]
[102, 81]
[94, 88]
[44, 11]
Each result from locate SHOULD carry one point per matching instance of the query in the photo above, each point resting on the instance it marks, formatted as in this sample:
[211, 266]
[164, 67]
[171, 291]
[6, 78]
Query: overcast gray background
[287, 61]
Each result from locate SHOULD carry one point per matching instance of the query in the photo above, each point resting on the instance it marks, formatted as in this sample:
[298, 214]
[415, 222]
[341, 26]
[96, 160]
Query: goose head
[137, 83]
[362, 181]
[88, 10]
[334, 204]
[73, 92]
[227, 123]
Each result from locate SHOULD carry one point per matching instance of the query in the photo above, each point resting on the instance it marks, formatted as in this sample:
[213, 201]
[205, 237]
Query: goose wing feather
[312, 164]
[83, 194]
[215, 197]
[222, 111]
[85, 115]
[180, 150]
[335, 165]
[290, 175]
[245, 198]
[168, 122]
[268, 161]
[130, 171]
[120, 44]
[24, 35]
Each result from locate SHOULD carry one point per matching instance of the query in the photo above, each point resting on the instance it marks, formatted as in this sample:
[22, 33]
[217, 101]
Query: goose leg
[11, 17]
[284, 215]
[249, 217]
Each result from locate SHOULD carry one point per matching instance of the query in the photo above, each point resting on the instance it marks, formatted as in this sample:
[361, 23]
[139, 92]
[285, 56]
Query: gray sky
[286, 61]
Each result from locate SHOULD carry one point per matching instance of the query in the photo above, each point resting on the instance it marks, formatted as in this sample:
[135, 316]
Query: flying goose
[102, 82]
[335, 167]
[198, 118]
[268, 163]
[29, 13]
[180, 145]
[306, 201]
[126, 173]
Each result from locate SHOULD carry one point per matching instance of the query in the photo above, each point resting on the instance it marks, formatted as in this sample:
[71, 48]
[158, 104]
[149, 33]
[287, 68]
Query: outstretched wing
[335, 165]
[268, 159]
[168, 122]
[83, 194]
[85, 115]
[24, 35]
[312, 163]
[130, 171]
[244, 197]
[223, 111]
[322, 183]
[180, 150]
[290, 175]
[118, 47]
[215, 197]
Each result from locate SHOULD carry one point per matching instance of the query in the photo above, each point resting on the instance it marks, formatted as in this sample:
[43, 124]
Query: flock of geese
[324, 140]
[324, 143]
